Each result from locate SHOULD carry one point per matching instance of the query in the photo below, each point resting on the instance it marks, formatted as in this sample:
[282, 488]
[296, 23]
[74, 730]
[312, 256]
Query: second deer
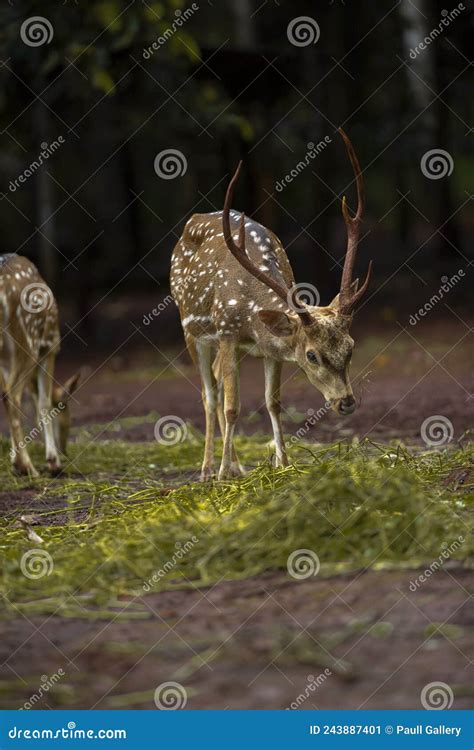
[29, 343]
[246, 301]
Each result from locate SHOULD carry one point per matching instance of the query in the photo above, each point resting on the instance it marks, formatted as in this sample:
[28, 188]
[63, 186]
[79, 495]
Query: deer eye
[312, 357]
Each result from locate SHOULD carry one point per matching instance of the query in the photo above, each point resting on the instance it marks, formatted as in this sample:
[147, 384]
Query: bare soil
[259, 643]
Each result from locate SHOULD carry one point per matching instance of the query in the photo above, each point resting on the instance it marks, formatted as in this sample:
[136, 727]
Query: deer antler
[239, 252]
[348, 299]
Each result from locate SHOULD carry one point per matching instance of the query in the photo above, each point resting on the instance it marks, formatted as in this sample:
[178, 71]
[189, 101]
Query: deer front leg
[230, 379]
[45, 406]
[272, 400]
[209, 396]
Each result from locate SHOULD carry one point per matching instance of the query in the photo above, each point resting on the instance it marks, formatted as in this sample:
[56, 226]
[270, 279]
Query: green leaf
[102, 80]
[108, 14]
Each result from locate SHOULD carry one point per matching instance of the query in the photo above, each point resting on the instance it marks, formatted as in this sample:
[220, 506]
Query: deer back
[215, 295]
[29, 327]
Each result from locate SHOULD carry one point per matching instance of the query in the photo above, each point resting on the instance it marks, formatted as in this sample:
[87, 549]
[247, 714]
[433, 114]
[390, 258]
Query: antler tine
[348, 300]
[239, 252]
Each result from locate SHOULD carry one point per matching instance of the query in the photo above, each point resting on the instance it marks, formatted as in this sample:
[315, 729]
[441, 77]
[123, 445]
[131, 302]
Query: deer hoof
[54, 465]
[25, 469]
[231, 472]
[207, 473]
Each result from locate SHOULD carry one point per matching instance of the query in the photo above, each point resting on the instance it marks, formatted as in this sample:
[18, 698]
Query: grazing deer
[245, 300]
[29, 343]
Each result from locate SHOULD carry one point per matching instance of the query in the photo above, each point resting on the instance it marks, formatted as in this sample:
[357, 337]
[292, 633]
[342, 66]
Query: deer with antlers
[29, 343]
[245, 301]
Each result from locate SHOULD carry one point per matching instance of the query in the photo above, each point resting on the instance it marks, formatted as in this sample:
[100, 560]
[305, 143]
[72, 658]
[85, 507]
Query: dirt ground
[256, 644]
[259, 643]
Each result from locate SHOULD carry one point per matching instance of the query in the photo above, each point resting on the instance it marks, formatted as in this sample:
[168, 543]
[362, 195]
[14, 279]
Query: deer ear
[70, 386]
[277, 322]
[334, 304]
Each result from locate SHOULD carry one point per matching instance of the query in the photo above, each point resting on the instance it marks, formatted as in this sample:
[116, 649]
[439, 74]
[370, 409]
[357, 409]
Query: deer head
[317, 338]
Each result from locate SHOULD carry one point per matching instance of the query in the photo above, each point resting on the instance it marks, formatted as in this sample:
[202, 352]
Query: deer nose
[347, 405]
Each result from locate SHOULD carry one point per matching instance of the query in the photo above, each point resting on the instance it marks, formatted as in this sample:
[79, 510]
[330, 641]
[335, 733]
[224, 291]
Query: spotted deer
[245, 300]
[29, 343]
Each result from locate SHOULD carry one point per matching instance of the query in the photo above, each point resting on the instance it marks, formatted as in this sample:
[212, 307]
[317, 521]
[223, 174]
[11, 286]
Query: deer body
[243, 301]
[29, 343]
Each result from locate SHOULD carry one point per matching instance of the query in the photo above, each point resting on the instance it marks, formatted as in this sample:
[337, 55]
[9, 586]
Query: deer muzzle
[346, 405]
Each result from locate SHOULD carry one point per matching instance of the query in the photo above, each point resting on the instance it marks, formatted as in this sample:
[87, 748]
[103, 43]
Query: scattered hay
[126, 528]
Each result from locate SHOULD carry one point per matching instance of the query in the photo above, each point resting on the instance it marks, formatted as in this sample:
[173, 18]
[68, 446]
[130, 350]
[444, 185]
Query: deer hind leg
[209, 397]
[236, 467]
[45, 406]
[272, 400]
[229, 365]
[21, 461]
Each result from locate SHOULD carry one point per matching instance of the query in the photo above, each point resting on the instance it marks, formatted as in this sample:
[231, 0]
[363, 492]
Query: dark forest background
[228, 84]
